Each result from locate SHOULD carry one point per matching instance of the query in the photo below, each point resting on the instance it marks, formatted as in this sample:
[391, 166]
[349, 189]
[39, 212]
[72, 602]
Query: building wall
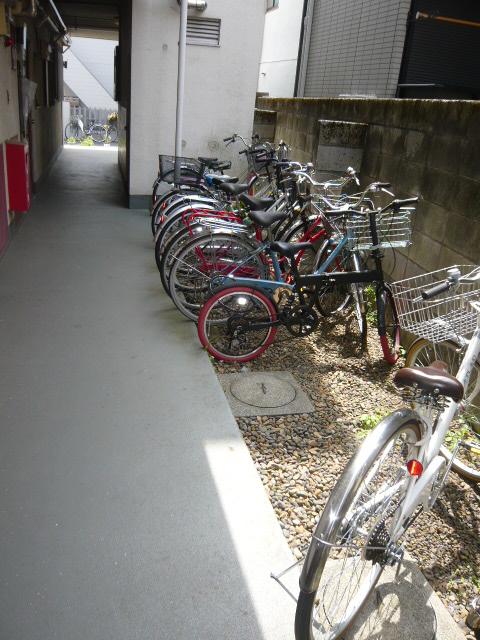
[426, 148]
[356, 47]
[220, 85]
[281, 36]
[123, 79]
[44, 132]
[9, 122]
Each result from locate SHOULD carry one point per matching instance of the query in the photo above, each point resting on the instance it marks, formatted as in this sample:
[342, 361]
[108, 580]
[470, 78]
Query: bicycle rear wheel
[358, 531]
[112, 132]
[237, 323]
[332, 298]
[466, 425]
[98, 133]
[207, 256]
[358, 297]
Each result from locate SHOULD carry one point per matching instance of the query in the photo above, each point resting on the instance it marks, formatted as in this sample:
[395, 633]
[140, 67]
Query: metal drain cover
[264, 393]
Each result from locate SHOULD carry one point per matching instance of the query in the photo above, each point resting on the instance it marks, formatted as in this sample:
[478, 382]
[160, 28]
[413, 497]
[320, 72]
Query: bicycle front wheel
[71, 131]
[237, 324]
[358, 531]
[388, 325]
[466, 425]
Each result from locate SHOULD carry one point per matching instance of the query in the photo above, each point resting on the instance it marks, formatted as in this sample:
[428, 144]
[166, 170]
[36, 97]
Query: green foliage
[371, 302]
[107, 140]
[369, 421]
[461, 431]
[88, 142]
[71, 140]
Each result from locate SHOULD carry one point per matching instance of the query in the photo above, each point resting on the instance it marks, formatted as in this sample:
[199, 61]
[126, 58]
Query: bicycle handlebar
[454, 278]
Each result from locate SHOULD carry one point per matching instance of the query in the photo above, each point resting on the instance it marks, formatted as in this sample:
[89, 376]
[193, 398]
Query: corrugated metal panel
[443, 53]
[204, 31]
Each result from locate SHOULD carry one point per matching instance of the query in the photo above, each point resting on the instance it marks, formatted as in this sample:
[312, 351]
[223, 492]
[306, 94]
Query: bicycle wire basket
[446, 316]
[191, 169]
[393, 231]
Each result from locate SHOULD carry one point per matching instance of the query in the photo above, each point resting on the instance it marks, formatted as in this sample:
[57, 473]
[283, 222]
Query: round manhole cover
[263, 391]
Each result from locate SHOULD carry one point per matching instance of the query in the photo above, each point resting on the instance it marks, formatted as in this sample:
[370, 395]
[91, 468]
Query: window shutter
[204, 31]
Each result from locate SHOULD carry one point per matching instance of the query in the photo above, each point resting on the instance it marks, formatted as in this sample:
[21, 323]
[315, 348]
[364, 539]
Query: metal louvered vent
[204, 31]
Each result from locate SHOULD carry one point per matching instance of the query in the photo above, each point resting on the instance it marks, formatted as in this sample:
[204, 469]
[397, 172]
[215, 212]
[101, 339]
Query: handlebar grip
[436, 290]
[383, 185]
[227, 139]
[242, 152]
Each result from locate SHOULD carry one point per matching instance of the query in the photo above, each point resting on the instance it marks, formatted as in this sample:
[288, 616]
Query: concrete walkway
[130, 507]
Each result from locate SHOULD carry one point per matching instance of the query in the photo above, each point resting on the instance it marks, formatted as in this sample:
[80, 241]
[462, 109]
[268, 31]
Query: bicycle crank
[301, 320]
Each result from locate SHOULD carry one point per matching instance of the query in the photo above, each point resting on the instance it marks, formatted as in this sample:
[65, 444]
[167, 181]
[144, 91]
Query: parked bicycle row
[243, 265]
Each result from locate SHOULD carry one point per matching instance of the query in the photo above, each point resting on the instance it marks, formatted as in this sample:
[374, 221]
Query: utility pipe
[182, 45]
[465, 23]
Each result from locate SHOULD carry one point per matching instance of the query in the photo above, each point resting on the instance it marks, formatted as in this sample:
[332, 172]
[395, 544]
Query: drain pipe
[199, 5]
[182, 45]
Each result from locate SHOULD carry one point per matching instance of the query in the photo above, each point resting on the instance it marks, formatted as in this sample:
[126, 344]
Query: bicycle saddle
[233, 189]
[218, 180]
[208, 161]
[266, 218]
[290, 249]
[433, 379]
[256, 204]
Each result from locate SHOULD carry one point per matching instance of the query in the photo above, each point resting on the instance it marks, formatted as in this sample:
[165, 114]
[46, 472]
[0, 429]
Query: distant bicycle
[99, 132]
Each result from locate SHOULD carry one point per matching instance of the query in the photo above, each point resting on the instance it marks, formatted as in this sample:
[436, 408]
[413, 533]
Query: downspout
[182, 45]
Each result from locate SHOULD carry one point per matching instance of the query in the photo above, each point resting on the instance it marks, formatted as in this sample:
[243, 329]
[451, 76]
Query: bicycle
[78, 130]
[190, 266]
[399, 469]
[239, 322]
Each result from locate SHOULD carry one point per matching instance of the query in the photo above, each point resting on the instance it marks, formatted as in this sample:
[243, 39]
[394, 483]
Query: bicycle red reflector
[414, 467]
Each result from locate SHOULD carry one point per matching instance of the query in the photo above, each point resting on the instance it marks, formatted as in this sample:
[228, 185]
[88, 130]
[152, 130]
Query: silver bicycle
[402, 465]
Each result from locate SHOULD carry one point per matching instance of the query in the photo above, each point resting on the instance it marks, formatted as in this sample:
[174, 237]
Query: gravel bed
[299, 457]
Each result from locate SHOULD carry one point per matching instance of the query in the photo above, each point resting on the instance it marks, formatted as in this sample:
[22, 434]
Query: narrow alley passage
[130, 508]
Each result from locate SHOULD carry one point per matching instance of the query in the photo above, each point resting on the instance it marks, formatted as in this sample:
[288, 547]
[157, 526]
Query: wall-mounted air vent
[204, 31]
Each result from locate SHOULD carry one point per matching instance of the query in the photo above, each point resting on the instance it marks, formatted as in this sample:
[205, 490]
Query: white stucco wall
[280, 49]
[220, 84]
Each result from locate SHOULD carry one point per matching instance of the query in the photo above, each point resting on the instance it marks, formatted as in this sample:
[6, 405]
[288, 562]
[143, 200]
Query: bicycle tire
[222, 317]
[358, 297]
[355, 529]
[467, 423]
[112, 131]
[299, 233]
[332, 298]
[164, 260]
[71, 131]
[388, 325]
[98, 133]
[204, 257]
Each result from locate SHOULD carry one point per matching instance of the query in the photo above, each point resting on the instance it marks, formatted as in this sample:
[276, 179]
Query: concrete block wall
[264, 123]
[429, 148]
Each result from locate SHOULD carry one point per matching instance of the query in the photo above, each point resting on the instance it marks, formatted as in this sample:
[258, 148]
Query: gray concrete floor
[130, 508]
